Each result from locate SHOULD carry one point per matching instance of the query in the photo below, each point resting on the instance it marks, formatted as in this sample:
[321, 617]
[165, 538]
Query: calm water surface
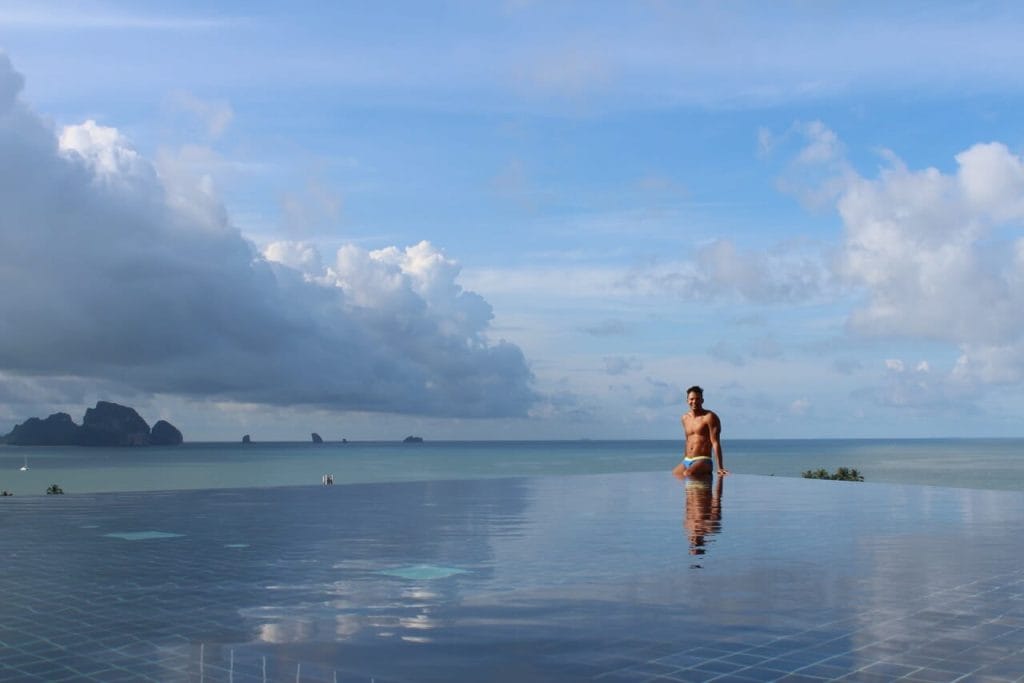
[963, 463]
[617, 577]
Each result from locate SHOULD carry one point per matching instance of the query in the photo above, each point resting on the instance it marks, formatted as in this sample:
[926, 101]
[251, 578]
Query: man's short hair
[695, 390]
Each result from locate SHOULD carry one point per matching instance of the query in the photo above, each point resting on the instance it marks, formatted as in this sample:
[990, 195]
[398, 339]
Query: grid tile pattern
[624, 577]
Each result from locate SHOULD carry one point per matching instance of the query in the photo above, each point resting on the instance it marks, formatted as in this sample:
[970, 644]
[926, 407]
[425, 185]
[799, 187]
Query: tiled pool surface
[624, 577]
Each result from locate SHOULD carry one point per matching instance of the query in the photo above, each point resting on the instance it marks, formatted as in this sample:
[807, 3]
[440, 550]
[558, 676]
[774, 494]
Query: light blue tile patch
[423, 571]
[141, 535]
[236, 545]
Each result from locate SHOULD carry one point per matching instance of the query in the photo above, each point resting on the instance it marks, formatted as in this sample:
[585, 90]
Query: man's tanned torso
[703, 443]
[698, 429]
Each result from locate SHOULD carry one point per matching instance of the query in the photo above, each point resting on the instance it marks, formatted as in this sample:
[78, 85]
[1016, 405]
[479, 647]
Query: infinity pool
[619, 577]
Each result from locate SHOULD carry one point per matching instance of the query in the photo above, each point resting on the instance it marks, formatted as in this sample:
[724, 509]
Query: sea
[959, 463]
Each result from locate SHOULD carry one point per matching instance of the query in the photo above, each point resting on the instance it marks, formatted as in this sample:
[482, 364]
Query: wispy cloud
[720, 270]
[214, 115]
[64, 17]
[611, 57]
[606, 328]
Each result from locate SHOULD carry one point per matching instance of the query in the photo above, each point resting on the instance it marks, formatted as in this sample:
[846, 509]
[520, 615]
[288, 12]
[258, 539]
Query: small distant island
[108, 424]
[413, 439]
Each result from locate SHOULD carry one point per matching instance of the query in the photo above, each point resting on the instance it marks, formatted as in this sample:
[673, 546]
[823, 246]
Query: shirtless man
[703, 431]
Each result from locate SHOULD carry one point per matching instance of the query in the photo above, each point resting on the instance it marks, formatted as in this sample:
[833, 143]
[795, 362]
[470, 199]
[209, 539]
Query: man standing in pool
[703, 430]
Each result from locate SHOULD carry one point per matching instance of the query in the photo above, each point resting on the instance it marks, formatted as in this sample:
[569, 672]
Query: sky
[514, 219]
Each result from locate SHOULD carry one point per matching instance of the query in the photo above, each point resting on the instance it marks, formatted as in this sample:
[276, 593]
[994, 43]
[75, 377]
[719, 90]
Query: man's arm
[716, 442]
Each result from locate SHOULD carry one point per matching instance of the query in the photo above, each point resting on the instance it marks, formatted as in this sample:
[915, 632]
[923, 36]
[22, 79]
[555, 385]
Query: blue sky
[514, 219]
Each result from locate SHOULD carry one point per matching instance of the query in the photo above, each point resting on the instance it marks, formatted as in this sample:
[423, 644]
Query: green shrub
[841, 474]
[54, 490]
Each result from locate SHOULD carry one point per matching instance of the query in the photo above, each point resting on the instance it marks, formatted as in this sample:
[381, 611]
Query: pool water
[609, 577]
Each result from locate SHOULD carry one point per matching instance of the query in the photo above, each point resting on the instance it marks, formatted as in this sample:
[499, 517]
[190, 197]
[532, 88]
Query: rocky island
[108, 424]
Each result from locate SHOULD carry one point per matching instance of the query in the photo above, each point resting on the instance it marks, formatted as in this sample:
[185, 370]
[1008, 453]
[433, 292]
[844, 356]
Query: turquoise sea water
[965, 463]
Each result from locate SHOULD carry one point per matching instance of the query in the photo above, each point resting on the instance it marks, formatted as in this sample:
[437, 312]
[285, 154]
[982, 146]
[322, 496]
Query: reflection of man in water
[702, 515]
[703, 432]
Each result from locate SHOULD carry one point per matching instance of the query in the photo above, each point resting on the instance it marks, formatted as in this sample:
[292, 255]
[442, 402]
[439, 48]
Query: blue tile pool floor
[622, 577]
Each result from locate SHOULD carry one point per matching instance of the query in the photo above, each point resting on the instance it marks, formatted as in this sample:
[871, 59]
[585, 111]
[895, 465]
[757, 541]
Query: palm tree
[841, 474]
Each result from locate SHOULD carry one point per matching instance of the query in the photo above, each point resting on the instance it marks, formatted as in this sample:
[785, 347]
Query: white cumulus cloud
[934, 256]
[107, 274]
[939, 255]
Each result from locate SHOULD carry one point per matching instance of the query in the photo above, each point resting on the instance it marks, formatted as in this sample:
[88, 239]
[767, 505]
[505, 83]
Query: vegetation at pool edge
[841, 474]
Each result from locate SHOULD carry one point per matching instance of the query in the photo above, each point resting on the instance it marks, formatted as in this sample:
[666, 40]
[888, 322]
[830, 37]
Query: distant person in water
[703, 432]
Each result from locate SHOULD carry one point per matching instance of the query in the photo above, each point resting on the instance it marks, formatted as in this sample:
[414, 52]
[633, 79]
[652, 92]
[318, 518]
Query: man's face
[694, 400]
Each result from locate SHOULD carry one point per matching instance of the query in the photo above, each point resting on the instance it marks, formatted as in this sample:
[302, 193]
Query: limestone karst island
[108, 424]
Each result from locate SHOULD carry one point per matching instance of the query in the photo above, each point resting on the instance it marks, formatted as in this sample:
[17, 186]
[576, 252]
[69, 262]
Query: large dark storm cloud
[107, 272]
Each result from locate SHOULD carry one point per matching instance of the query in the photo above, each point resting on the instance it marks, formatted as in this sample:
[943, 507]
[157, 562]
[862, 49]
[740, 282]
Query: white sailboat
[25, 466]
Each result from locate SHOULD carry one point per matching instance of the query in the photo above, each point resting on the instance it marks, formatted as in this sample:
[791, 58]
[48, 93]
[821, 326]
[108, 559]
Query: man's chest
[696, 425]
